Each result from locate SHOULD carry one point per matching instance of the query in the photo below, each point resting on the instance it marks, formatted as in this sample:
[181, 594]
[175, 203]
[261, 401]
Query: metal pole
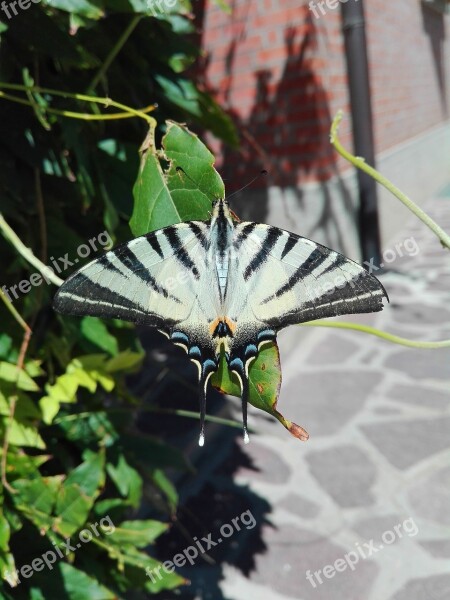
[353, 25]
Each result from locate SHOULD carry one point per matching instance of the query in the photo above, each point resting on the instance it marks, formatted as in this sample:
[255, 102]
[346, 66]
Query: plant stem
[13, 399]
[377, 332]
[27, 253]
[360, 163]
[113, 53]
[107, 102]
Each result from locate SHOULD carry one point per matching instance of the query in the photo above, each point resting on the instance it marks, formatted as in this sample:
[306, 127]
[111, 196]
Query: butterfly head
[221, 210]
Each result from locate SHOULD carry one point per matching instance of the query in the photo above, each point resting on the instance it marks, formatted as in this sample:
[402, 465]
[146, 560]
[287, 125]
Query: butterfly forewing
[289, 279]
[146, 280]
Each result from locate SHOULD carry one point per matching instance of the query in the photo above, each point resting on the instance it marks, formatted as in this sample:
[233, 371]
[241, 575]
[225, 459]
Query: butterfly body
[220, 286]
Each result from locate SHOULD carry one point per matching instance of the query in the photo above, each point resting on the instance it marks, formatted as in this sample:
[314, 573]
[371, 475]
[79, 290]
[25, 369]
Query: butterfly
[220, 286]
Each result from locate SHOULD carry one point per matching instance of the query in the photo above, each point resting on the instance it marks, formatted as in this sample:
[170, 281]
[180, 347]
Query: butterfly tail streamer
[206, 371]
[203, 384]
[245, 396]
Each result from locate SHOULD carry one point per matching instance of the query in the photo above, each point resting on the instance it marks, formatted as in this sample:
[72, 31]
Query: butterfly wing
[279, 279]
[149, 280]
[162, 280]
[289, 279]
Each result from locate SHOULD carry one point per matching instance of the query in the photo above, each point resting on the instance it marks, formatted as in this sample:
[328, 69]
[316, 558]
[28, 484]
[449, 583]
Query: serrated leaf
[36, 499]
[72, 509]
[10, 374]
[68, 582]
[89, 475]
[264, 386]
[21, 435]
[126, 479]
[139, 533]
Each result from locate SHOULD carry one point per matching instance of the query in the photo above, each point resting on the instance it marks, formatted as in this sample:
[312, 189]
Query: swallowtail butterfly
[220, 284]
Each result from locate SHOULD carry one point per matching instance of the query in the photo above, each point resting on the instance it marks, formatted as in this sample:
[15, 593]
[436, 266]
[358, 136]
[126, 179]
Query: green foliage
[74, 458]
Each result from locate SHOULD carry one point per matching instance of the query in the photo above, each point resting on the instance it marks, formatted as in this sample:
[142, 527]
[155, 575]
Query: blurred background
[260, 81]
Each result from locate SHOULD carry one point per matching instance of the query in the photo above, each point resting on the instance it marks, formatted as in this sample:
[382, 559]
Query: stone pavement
[374, 478]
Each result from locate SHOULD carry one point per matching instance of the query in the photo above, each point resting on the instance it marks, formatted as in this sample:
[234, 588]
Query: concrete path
[362, 510]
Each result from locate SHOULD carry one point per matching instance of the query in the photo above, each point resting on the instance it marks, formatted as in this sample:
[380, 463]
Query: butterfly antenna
[263, 172]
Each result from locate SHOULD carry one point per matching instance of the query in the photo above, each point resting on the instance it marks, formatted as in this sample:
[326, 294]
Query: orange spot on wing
[231, 324]
[213, 325]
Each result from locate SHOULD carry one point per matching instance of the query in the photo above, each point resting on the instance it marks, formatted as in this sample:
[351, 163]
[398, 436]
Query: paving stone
[265, 464]
[387, 411]
[419, 395]
[346, 473]
[293, 551]
[422, 313]
[437, 548]
[421, 364]
[300, 506]
[433, 587]
[374, 527]
[430, 497]
[324, 402]
[336, 349]
[405, 443]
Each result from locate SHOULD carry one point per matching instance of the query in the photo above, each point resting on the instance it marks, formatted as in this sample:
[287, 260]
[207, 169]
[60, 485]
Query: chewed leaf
[265, 382]
[164, 195]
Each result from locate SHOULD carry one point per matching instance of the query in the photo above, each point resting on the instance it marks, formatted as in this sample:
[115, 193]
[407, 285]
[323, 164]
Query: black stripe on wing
[313, 262]
[181, 253]
[243, 234]
[152, 239]
[273, 235]
[80, 296]
[290, 243]
[199, 234]
[129, 259]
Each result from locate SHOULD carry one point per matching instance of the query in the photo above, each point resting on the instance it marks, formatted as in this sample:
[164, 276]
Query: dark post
[353, 25]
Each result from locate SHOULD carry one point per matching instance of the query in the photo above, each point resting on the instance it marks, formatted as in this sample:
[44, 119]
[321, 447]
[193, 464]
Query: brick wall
[280, 72]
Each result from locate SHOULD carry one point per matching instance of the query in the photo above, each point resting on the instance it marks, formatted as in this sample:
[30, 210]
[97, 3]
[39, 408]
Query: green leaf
[91, 9]
[24, 435]
[97, 333]
[153, 205]
[166, 486]
[125, 361]
[126, 479]
[36, 499]
[9, 373]
[5, 343]
[68, 582]
[5, 532]
[163, 197]
[72, 509]
[264, 386]
[139, 533]
[185, 95]
[90, 475]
